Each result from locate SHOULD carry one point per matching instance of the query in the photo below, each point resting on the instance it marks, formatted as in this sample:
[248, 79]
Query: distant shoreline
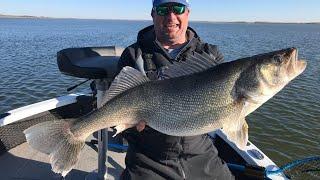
[23, 17]
[2, 16]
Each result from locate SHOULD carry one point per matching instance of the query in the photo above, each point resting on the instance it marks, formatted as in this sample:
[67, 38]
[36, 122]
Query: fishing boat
[103, 156]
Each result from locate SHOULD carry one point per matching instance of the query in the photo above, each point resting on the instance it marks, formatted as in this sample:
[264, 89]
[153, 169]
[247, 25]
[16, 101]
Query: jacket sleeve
[127, 58]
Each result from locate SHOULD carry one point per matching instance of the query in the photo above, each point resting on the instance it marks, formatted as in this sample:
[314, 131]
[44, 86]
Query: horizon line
[204, 21]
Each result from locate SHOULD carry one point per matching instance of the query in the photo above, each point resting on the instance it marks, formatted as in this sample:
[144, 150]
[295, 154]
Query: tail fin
[56, 139]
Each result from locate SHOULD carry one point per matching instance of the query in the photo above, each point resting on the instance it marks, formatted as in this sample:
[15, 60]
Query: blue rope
[293, 165]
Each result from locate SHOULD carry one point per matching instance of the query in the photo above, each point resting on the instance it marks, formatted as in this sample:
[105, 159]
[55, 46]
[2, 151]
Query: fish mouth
[297, 65]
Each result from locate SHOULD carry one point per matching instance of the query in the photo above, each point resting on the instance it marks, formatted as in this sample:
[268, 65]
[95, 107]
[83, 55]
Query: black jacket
[151, 149]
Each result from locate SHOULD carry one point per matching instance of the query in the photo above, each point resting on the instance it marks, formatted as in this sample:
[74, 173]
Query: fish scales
[170, 104]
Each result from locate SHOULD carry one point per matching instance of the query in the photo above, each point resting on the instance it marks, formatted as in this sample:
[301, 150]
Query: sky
[201, 10]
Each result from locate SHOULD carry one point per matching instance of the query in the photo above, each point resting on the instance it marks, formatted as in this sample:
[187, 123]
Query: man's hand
[140, 126]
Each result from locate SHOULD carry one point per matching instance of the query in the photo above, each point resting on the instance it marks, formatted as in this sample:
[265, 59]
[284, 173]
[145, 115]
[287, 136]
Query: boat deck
[23, 162]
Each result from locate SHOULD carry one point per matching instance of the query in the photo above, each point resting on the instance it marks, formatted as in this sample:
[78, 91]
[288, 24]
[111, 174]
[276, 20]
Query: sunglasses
[164, 10]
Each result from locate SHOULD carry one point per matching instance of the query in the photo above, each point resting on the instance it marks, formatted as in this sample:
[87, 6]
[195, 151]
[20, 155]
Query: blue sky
[204, 10]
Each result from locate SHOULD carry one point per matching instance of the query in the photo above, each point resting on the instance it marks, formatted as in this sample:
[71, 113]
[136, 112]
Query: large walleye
[186, 105]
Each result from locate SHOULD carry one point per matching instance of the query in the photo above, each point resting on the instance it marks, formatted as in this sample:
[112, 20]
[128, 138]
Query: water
[286, 127]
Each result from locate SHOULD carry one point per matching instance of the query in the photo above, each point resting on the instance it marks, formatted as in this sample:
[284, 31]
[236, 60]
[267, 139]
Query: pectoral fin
[238, 135]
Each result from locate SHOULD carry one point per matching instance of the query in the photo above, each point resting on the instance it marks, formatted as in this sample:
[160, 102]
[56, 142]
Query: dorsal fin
[126, 79]
[130, 77]
[193, 64]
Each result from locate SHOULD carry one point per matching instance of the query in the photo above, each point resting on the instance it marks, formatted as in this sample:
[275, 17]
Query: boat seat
[89, 62]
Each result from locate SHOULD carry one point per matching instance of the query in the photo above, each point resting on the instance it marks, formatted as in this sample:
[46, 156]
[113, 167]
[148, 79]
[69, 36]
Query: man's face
[171, 28]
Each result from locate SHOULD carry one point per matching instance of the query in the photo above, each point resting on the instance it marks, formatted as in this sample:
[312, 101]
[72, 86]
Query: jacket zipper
[179, 158]
[181, 168]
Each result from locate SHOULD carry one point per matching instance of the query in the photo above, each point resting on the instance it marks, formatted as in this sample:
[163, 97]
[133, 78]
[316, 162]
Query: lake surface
[286, 128]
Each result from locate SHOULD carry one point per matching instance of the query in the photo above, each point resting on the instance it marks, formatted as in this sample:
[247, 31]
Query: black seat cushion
[90, 63]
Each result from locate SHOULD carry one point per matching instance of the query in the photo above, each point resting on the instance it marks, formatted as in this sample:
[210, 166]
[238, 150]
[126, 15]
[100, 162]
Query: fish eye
[278, 59]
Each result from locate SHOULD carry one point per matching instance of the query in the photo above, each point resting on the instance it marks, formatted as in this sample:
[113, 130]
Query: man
[151, 154]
